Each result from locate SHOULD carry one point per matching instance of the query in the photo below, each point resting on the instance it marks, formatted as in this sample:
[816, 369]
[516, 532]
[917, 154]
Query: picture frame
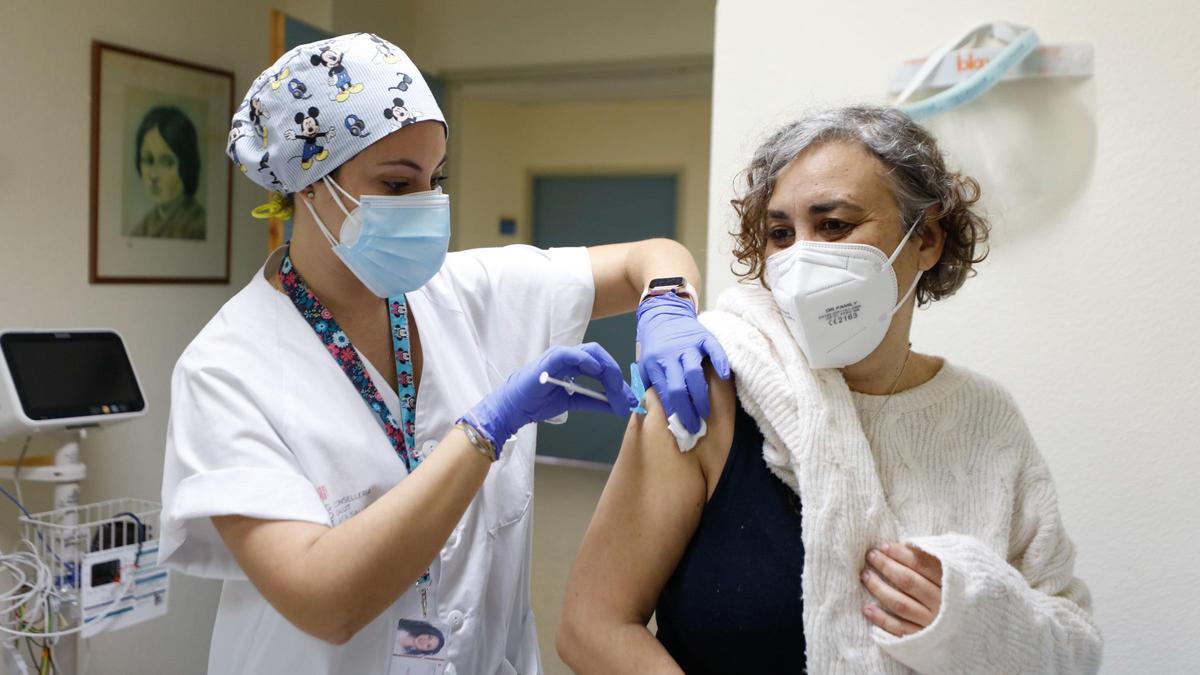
[161, 184]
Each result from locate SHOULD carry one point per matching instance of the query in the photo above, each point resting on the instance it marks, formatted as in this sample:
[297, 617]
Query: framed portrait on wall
[160, 179]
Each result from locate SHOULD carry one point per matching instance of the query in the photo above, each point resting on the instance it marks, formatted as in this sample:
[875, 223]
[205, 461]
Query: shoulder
[516, 260]
[707, 459]
[991, 413]
[195, 211]
[239, 335]
[144, 225]
[983, 392]
[517, 278]
[713, 450]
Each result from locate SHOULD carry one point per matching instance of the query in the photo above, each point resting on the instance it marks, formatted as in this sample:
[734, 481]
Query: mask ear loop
[903, 242]
[329, 181]
[324, 230]
[917, 278]
[907, 293]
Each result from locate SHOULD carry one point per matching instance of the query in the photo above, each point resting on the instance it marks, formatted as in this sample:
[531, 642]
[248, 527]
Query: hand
[906, 584]
[673, 347]
[523, 398]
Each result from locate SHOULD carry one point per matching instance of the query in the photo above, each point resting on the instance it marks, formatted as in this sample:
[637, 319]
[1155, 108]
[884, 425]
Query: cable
[47, 644]
[69, 569]
[53, 665]
[49, 623]
[29, 648]
[125, 586]
[16, 501]
[140, 533]
[17, 468]
[35, 598]
[32, 591]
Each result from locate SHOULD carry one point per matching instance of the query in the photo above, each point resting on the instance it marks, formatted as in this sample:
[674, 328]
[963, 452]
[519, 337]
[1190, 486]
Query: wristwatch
[477, 439]
[664, 285]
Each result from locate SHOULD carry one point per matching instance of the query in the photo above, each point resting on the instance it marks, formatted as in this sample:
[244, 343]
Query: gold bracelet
[481, 443]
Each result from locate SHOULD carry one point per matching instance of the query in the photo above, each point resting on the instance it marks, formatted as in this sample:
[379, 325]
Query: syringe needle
[571, 387]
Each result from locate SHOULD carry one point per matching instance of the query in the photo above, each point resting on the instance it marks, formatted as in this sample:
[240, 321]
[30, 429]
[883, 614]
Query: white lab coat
[265, 424]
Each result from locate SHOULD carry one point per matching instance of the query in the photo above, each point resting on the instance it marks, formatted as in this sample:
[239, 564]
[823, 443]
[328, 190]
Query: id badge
[419, 648]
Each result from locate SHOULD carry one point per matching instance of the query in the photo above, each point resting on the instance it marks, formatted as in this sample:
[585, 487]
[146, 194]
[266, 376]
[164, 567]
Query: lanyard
[401, 433]
[337, 343]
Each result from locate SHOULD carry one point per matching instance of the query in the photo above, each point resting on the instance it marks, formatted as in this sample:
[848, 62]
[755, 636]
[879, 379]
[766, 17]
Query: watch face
[667, 282]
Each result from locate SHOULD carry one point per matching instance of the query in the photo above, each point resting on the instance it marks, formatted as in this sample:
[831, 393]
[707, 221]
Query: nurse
[350, 446]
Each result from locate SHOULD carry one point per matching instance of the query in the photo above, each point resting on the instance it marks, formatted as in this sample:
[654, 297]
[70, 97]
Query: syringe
[571, 387]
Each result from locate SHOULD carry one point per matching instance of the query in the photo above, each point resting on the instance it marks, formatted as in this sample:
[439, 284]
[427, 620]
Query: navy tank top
[733, 604]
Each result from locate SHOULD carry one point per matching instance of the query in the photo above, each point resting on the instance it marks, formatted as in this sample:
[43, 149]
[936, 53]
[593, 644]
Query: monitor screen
[63, 375]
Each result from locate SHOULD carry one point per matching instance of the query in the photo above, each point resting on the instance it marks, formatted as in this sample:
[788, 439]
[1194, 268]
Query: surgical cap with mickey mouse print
[321, 104]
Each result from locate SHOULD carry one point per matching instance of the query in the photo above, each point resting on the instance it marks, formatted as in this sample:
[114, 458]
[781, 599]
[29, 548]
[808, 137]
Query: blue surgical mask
[392, 244]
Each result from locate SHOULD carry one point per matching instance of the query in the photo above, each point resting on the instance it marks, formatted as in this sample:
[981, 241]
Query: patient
[856, 506]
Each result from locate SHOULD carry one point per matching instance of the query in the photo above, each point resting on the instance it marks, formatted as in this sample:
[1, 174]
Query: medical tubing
[118, 595]
[17, 468]
[27, 592]
[14, 500]
[977, 84]
[40, 589]
[25, 511]
[931, 63]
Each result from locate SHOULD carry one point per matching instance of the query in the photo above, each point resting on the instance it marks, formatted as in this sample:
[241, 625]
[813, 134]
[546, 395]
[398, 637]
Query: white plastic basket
[62, 537]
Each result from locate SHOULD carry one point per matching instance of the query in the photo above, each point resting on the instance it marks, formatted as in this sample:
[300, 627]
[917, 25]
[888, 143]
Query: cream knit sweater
[949, 467]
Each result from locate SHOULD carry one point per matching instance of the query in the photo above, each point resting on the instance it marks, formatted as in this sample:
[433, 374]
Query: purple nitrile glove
[523, 399]
[673, 346]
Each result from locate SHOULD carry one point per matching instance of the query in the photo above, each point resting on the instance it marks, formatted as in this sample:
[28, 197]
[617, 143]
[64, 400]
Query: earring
[310, 194]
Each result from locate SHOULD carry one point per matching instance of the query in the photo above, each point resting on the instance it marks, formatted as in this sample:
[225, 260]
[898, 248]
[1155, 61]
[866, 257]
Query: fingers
[895, 602]
[652, 373]
[716, 354]
[643, 374]
[582, 402]
[675, 399]
[892, 624]
[570, 361]
[907, 580]
[697, 382]
[923, 563]
[620, 396]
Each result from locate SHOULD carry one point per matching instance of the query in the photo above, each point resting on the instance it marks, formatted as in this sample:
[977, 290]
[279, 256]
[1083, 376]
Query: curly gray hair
[920, 183]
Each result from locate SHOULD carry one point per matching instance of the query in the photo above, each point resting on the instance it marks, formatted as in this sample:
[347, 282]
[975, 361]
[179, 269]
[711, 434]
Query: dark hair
[180, 134]
[415, 628]
[924, 189]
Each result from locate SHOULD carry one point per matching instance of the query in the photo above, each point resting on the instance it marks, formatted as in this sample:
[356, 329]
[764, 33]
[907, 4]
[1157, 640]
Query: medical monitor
[65, 379]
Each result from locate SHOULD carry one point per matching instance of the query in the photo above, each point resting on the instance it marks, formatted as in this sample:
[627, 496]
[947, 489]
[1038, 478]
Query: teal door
[587, 211]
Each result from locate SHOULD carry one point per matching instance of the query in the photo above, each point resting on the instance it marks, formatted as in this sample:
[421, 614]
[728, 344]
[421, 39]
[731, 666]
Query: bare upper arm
[647, 515]
[267, 551]
[615, 293]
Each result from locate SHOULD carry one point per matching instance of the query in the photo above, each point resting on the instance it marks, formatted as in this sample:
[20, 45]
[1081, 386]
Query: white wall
[1088, 308]
[44, 251]
[501, 146]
